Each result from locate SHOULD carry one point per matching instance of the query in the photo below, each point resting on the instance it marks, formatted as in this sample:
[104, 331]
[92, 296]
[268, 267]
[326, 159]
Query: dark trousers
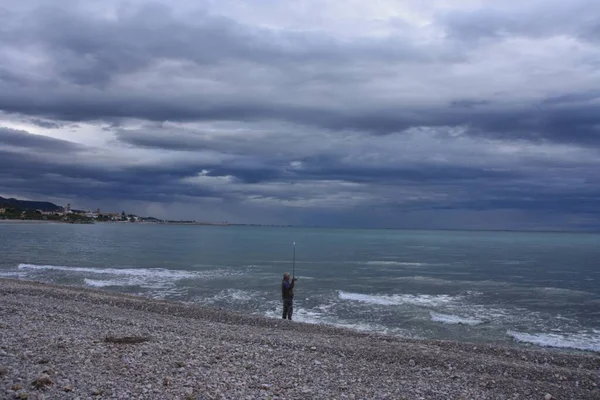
[288, 308]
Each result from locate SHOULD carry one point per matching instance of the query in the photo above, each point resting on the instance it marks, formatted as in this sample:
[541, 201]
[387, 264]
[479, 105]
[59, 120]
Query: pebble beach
[61, 342]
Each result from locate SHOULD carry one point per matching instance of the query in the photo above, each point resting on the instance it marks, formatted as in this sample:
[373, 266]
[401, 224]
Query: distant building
[92, 214]
[67, 209]
[2, 210]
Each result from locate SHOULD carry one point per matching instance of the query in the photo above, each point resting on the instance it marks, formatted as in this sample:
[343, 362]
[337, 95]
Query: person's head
[286, 276]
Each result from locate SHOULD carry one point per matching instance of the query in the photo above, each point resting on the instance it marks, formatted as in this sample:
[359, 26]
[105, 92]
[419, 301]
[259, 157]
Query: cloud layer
[453, 114]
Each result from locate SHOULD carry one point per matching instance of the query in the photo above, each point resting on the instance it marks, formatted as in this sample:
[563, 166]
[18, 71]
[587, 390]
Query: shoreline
[204, 353]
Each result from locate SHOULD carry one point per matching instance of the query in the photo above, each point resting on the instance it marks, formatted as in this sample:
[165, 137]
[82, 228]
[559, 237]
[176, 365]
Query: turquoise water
[503, 287]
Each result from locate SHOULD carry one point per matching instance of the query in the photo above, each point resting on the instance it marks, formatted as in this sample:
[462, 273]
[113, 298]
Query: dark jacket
[287, 290]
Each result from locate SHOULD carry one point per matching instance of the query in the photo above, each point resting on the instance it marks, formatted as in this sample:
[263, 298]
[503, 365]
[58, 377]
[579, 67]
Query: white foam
[100, 283]
[229, 296]
[317, 316]
[300, 314]
[552, 291]
[12, 274]
[398, 299]
[406, 264]
[150, 272]
[158, 282]
[454, 319]
[579, 341]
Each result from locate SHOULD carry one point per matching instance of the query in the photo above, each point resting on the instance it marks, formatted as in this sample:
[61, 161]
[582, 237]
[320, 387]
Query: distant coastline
[26, 211]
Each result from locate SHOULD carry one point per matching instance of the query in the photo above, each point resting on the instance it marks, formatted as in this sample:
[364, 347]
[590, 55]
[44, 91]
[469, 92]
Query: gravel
[59, 342]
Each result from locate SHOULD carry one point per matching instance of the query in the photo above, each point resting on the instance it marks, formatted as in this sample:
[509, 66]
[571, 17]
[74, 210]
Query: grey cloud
[90, 58]
[577, 18]
[91, 50]
[47, 177]
[46, 123]
[23, 139]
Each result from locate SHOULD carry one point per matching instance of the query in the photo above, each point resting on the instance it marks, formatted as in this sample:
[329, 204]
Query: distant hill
[30, 205]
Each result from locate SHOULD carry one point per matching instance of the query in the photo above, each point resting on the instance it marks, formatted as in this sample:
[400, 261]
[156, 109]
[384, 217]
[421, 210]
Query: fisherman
[287, 295]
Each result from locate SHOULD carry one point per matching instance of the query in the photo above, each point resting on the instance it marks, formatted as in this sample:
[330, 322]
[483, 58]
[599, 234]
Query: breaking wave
[455, 319]
[160, 282]
[578, 341]
[406, 264]
[398, 299]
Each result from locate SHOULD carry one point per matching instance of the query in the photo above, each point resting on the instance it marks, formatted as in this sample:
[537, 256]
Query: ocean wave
[455, 319]
[424, 280]
[229, 296]
[398, 299]
[579, 341]
[137, 272]
[512, 262]
[154, 273]
[156, 282]
[12, 274]
[316, 316]
[301, 314]
[100, 283]
[403, 263]
[551, 291]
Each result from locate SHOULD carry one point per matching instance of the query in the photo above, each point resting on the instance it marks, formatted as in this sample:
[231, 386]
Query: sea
[511, 288]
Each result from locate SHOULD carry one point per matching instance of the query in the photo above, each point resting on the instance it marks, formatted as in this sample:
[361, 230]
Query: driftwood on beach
[64, 343]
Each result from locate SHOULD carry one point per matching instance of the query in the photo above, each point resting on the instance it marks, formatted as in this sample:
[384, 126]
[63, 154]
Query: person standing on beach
[287, 295]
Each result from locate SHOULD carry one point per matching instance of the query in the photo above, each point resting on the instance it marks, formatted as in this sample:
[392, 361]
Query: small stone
[97, 392]
[16, 387]
[3, 371]
[68, 388]
[23, 396]
[42, 381]
[265, 386]
[548, 396]
[412, 362]
[313, 348]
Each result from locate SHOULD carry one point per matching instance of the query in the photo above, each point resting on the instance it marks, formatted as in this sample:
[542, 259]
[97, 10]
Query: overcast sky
[380, 113]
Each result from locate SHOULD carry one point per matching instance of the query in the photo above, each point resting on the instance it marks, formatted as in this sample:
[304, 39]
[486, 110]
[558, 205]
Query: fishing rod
[294, 262]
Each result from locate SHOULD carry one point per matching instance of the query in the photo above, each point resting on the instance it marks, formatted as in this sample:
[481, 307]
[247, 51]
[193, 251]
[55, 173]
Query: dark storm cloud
[45, 123]
[32, 173]
[86, 55]
[52, 167]
[90, 50]
[20, 138]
